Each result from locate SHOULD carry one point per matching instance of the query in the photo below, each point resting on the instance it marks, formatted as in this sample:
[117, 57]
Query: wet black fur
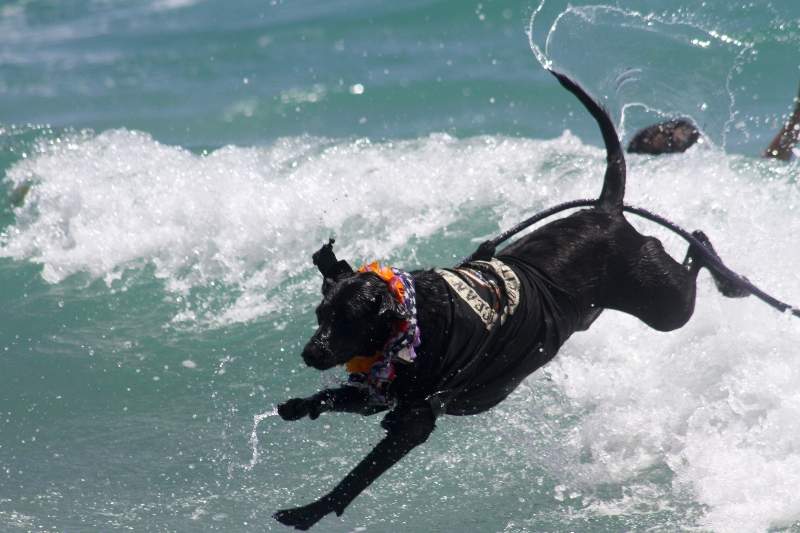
[594, 254]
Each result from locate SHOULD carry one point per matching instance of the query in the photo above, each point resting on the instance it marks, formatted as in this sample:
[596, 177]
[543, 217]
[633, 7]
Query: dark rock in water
[664, 138]
[17, 196]
[782, 146]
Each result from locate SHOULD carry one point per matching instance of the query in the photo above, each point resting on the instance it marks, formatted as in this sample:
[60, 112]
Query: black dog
[482, 328]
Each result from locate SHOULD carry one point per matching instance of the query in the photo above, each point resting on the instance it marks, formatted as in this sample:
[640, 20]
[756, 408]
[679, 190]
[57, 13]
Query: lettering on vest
[483, 308]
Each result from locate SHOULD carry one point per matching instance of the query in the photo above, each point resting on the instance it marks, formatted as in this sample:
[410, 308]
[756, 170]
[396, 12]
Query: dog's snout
[316, 354]
[309, 355]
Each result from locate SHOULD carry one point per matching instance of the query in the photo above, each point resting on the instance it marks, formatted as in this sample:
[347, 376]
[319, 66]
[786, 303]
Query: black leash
[711, 260]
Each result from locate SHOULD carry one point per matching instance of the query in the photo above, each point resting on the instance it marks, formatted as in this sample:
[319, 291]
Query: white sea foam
[717, 402]
[249, 218]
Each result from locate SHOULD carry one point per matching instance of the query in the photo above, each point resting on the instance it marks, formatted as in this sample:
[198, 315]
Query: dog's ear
[391, 308]
[327, 263]
[327, 283]
[329, 266]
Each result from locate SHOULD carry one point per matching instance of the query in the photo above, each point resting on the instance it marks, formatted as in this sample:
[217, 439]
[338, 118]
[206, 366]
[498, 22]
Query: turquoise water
[186, 157]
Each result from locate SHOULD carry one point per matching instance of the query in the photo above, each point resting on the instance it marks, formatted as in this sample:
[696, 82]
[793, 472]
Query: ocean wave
[713, 405]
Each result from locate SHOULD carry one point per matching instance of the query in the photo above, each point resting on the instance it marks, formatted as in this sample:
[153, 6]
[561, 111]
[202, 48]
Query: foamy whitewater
[715, 404]
[157, 284]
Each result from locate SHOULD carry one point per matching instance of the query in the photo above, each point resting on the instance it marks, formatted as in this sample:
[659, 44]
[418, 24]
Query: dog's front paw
[297, 408]
[303, 518]
[293, 409]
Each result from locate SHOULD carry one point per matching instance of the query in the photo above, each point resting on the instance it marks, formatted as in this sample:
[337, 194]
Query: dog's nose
[308, 355]
[316, 355]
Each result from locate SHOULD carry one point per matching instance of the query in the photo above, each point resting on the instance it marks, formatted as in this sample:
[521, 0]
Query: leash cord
[711, 260]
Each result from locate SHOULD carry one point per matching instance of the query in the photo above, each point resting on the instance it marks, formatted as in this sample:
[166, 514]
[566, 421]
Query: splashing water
[667, 419]
[158, 288]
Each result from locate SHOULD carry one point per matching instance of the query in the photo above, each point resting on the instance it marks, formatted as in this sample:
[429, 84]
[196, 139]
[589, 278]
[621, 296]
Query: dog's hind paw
[725, 286]
[303, 518]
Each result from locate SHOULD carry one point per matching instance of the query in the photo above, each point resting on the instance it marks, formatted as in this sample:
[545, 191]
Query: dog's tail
[611, 197]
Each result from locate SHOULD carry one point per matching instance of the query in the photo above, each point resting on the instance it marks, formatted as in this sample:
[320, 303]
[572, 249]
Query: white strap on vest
[482, 308]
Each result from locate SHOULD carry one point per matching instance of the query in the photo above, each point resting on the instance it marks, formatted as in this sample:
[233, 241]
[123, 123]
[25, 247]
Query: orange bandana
[387, 274]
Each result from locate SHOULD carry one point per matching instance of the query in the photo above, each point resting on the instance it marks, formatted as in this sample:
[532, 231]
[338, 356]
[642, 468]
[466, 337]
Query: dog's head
[355, 316]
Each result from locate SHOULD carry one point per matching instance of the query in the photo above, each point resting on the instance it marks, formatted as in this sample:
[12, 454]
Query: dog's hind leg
[694, 263]
[406, 427]
[658, 290]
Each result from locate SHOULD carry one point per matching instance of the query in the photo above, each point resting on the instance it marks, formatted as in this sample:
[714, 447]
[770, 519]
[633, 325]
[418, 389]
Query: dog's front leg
[347, 398]
[407, 428]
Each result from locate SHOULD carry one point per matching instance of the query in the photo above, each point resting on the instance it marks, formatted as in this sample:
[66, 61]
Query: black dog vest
[509, 319]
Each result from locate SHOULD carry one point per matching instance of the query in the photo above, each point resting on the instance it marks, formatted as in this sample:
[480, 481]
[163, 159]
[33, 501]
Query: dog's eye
[345, 317]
